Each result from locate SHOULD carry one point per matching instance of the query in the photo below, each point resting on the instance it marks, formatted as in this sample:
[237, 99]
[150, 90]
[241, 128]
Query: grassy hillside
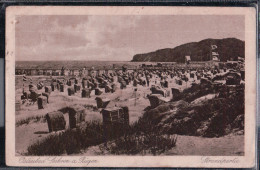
[199, 51]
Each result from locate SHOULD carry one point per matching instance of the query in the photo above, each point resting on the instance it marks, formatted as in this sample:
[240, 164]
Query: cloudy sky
[115, 38]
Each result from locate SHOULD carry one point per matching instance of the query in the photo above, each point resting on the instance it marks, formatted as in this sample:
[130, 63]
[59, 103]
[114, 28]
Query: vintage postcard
[130, 86]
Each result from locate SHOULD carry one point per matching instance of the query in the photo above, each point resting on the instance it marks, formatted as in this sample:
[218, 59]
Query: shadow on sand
[41, 132]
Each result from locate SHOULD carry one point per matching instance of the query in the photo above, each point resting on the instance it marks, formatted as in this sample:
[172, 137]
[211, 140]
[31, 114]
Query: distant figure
[147, 80]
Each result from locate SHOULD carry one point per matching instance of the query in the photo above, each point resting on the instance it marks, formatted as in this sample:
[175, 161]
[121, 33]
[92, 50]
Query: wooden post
[135, 95]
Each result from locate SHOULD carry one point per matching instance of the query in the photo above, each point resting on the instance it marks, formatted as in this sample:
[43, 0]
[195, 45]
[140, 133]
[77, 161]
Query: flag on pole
[215, 53]
[24, 78]
[30, 80]
[213, 47]
[215, 58]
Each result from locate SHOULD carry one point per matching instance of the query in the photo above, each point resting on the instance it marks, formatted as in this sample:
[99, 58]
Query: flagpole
[210, 51]
[23, 82]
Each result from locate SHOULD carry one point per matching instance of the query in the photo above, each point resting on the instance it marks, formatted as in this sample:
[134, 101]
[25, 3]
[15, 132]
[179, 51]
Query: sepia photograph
[129, 83]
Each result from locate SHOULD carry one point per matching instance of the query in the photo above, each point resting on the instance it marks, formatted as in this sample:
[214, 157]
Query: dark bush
[27, 120]
[210, 118]
[143, 138]
[70, 141]
[51, 145]
[194, 92]
[151, 143]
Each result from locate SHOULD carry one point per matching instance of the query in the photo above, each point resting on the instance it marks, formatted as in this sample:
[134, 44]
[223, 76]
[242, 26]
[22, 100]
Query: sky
[115, 38]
